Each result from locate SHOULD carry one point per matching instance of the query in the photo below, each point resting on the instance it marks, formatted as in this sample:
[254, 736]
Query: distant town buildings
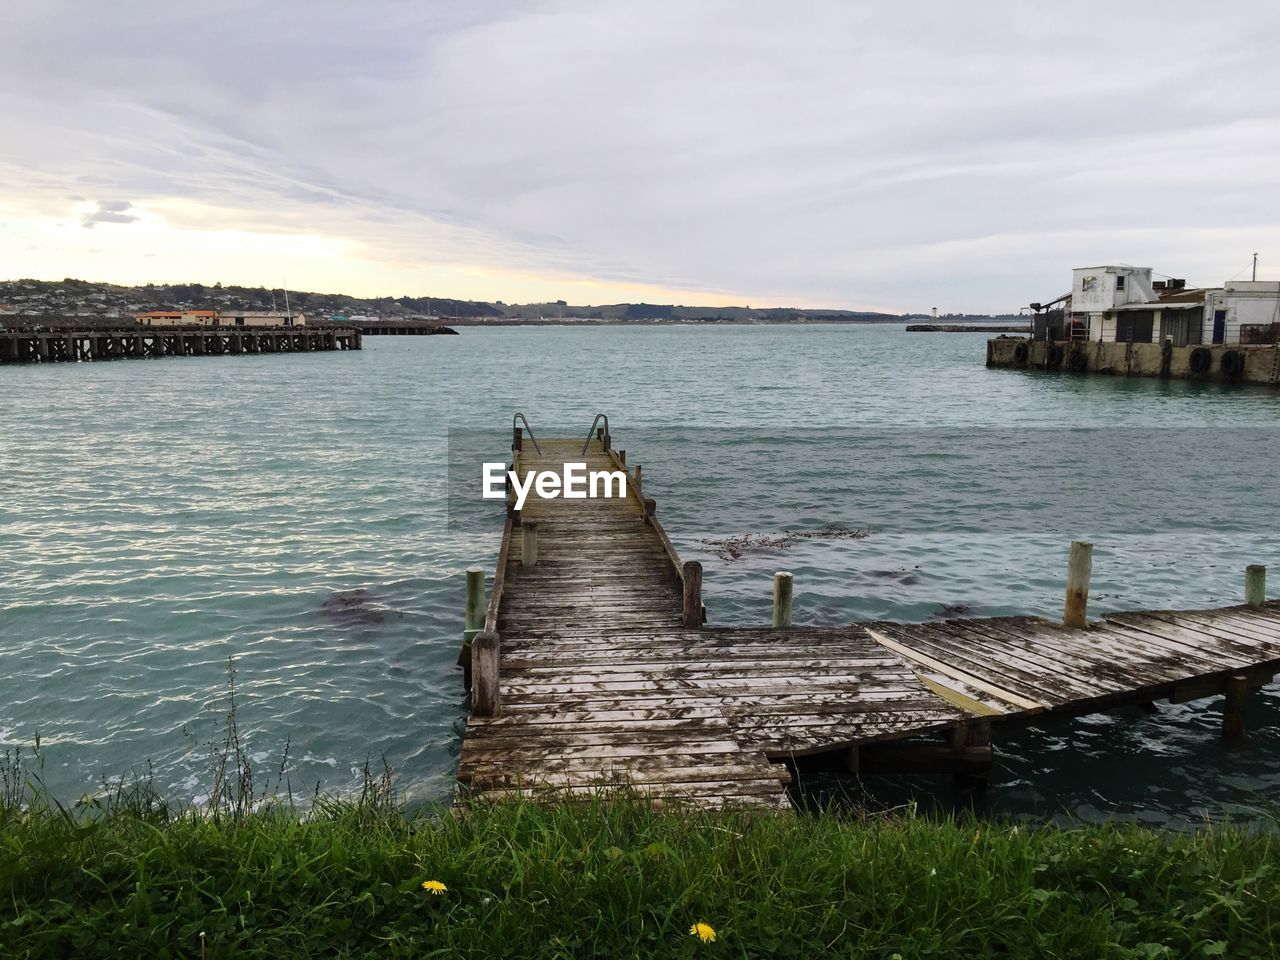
[215, 318]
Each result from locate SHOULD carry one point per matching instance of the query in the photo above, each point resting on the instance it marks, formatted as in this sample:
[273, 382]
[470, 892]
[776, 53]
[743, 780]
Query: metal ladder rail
[515, 425]
[607, 439]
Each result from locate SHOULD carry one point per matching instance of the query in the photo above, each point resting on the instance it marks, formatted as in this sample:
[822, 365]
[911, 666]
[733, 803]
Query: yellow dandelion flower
[704, 932]
[435, 886]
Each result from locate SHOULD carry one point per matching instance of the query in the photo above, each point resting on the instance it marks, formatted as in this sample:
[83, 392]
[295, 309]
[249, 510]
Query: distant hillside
[72, 297]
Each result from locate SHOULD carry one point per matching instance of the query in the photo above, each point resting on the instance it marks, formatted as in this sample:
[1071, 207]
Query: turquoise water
[161, 516]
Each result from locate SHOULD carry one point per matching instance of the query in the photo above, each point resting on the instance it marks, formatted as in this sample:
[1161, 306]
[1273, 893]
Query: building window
[1120, 282]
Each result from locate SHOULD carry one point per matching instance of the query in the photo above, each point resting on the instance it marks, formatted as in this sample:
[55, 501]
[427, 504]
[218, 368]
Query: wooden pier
[69, 344]
[592, 667]
[407, 328]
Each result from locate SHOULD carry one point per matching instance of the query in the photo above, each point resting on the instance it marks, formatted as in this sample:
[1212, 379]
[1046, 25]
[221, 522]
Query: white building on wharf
[1123, 304]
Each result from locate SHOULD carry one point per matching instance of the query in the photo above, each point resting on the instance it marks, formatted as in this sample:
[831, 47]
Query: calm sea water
[295, 514]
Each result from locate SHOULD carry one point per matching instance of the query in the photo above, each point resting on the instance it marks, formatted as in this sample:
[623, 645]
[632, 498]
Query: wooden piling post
[853, 760]
[486, 691]
[639, 488]
[512, 512]
[1079, 568]
[475, 603]
[650, 508]
[692, 593]
[517, 439]
[1255, 585]
[971, 744]
[1233, 708]
[782, 600]
[622, 457]
[528, 544]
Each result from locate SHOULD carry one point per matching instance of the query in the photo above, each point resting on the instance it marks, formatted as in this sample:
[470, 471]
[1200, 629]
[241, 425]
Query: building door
[1219, 325]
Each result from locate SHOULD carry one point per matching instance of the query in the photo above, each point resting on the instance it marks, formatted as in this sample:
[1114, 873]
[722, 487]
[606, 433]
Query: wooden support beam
[1255, 585]
[782, 583]
[1079, 568]
[650, 509]
[486, 690]
[692, 612]
[1233, 708]
[926, 758]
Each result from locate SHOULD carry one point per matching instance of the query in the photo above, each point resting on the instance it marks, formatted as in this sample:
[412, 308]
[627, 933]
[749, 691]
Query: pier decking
[70, 344]
[594, 668]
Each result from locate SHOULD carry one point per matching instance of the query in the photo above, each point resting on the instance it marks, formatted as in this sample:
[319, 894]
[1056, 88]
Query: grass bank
[617, 880]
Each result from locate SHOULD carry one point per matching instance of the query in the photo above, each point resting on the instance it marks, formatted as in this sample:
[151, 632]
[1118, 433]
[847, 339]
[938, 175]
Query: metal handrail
[599, 417]
[521, 416]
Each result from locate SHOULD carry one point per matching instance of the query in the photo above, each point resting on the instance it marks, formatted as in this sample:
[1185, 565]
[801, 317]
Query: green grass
[617, 880]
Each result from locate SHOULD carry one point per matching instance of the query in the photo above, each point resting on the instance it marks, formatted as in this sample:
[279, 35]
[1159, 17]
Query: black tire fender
[1201, 359]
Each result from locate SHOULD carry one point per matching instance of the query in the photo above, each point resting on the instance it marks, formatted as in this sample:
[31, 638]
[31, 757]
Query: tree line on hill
[80, 297]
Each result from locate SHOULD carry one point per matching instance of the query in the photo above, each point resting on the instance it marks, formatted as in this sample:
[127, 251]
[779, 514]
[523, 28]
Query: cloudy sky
[891, 156]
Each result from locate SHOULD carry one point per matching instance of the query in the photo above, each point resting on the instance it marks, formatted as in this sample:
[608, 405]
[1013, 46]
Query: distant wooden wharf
[592, 668]
[77, 344]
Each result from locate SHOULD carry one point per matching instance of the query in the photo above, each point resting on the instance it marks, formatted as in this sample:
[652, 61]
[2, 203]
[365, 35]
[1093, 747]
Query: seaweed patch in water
[902, 576]
[735, 548]
[948, 610]
[353, 608]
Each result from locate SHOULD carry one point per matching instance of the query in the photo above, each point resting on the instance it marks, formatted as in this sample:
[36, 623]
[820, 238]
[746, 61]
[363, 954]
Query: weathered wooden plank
[1029, 651]
[760, 684]
[547, 749]
[962, 701]
[677, 640]
[695, 697]
[713, 795]
[1213, 653]
[584, 773]
[1140, 665]
[954, 673]
[727, 669]
[1237, 627]
[997, 663]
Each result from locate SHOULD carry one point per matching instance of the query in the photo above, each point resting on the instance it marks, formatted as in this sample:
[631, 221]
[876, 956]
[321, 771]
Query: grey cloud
[862, 155]
[109, 211]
